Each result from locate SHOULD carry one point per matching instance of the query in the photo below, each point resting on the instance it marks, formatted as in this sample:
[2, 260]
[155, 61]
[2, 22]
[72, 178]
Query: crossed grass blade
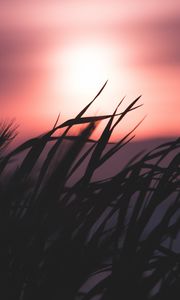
[100, 146]
[97, 159]
[119, 144]
[55, 183]
[77, 120]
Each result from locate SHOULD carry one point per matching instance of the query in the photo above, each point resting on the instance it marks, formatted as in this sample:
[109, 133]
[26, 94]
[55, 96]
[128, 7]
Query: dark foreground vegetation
[109, 239]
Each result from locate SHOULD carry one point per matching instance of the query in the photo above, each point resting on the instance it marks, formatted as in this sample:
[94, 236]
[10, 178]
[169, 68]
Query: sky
[56, 55]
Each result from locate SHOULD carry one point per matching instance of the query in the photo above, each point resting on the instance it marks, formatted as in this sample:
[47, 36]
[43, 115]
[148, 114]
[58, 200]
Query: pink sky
[55, 55]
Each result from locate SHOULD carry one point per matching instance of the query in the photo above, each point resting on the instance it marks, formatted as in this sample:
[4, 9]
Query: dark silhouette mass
[110, 239]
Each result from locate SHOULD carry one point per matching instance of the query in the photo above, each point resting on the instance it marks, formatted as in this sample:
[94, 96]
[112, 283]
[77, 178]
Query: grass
[93, 239]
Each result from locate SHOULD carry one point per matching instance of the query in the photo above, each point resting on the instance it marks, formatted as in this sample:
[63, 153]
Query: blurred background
[56, 55]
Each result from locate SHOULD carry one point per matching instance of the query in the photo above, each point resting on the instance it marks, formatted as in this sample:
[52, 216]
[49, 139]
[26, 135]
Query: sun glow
[79, 72]
[88, 67]
[85, 68]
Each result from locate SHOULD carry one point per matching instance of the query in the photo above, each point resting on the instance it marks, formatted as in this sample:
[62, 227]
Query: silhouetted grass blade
[109, 239]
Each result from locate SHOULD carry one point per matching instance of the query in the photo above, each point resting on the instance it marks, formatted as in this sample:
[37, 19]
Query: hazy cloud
[23, 56]
[162, 43]
[153, 41]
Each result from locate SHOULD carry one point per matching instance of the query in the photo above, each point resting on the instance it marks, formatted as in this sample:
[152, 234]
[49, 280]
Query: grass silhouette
[93, 239]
